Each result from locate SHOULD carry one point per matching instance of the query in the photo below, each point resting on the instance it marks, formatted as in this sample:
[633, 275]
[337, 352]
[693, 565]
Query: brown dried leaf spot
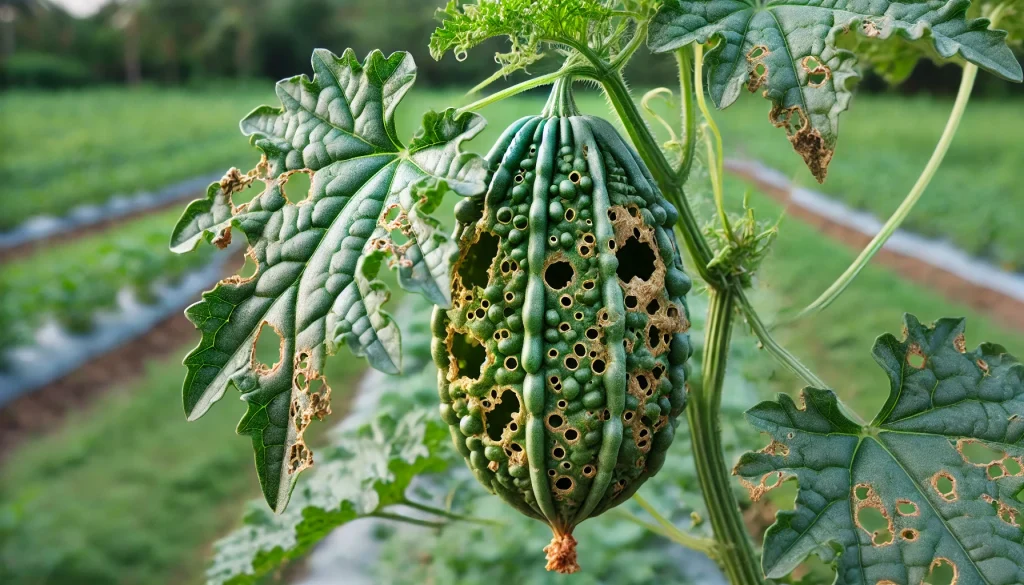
[871, 499]
[1005, 513]
[223, 239]
[776, 448]
[758, 70]
[817, 72]
[806, 141]
[949, 495]
[306, 405]
[939, 562]
[916, 357]
[983, 365]
[960, 343]
[561, 554]
[769, 481]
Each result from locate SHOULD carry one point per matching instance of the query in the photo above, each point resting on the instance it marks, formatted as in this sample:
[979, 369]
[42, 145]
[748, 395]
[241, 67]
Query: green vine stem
[716, 156]
[669, 530]
[533, 82]
[832, 293]
[448, 514]
[736, 553]
[689, 115]
[963, 95]
[407, 520]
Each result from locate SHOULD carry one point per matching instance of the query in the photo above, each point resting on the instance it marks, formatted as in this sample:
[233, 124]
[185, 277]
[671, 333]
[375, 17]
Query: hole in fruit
[575, 177]
[563, 327]
[504, 215]
[558, 453]
[588, 285]
[571, 363]
[519, 179]
[566, 465]
[657, 372]
[628, 415]
[588, 470]
[653, 306]
[570, 214]
[598, 366]
[566, 301]
[478, 260]
[516, 447]
[572, 435]
[511, 363]
[552, 472]
[578, 316]
[520, 222]
[592, 333]
[584, 250]
[564, 483]
[553, 353]
[469, 356]
[642, 382]
[653, 337]
[555, 421]
[635, 259]
[509, 297]
[559, 274]
[496, 420]
[580, 350]
[631, 302]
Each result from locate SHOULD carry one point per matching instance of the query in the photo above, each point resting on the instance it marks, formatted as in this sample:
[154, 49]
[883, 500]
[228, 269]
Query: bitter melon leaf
[930, 487]
[318, 254]
[362, 473]
[787, 48]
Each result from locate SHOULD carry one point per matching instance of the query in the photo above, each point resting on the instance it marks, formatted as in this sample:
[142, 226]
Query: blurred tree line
[192, 41]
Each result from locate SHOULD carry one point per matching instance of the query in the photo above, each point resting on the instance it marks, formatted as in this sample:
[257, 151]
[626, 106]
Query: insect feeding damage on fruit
[806, 141]
[306, 404]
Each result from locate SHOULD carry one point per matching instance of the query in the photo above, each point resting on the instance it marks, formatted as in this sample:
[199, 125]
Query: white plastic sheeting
[47, 226]
[57, 352]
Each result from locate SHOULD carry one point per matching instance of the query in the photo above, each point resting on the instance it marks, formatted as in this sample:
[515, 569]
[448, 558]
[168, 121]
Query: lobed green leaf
[361, 474]
[318, 255]
[787, 49]
[930, 487]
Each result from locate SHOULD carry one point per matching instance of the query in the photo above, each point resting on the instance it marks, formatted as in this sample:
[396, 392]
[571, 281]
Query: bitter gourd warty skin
[562, 359]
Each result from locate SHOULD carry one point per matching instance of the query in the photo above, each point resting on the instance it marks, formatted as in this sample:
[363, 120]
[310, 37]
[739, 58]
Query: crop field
[62, 518]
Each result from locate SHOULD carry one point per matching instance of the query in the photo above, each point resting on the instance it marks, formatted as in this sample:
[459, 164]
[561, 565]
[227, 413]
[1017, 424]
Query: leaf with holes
[317, 258]
[787, 48]
[929, 488]
[362, 474]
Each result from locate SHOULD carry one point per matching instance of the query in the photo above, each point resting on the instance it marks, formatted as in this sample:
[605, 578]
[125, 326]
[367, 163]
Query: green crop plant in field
[560, 332]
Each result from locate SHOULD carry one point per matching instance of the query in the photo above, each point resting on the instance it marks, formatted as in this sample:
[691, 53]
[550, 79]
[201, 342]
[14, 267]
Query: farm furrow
[89, 218]
[57, 358]
[935, 264]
